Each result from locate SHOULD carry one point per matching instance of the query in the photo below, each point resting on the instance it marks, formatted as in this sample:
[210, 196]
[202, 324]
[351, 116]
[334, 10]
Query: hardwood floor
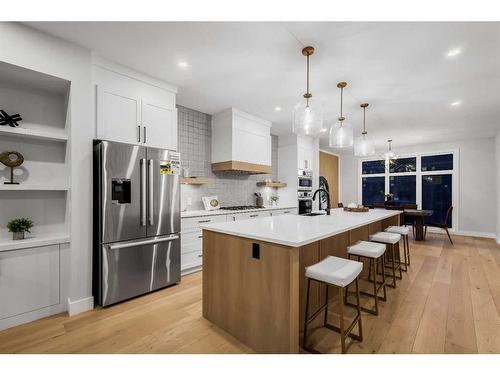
[448, 302]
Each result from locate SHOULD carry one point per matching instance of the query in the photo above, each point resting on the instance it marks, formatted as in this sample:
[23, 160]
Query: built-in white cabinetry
[192, 241]
[305, 153]
[133, 108]
[243, 139]
[118, 115]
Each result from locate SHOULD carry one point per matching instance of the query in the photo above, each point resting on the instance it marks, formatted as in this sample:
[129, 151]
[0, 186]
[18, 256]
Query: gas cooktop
[238, 208]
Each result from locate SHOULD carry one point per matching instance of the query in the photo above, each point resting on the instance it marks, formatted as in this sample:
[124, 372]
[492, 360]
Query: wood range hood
[241, 143]
[241, 167]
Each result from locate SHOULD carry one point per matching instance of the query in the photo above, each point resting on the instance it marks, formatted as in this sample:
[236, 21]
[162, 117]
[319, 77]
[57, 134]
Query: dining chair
[409, 220]
[442, 225]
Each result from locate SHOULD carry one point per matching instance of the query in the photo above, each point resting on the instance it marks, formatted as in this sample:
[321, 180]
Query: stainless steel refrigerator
[136, 220]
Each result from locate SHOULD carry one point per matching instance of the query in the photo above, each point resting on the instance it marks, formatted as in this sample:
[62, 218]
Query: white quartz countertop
[296, 230]
[197, 213]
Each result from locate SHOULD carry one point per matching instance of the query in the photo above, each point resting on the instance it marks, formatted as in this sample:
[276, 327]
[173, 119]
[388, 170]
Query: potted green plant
[19, 226]
[274, 199]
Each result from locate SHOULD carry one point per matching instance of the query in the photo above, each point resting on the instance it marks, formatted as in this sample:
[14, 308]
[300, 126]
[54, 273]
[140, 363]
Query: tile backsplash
[195, 143]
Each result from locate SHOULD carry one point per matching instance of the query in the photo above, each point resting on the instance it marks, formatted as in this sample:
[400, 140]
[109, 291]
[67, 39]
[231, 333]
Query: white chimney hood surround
[241, 142]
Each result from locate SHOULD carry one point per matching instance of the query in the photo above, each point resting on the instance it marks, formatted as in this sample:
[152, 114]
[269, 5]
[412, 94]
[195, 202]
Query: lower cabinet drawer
[192, 259]
[192, 241]
[193, 223]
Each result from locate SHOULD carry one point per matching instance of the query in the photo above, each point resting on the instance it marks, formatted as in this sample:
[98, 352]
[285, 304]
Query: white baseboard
[464, 233]
[81, 305]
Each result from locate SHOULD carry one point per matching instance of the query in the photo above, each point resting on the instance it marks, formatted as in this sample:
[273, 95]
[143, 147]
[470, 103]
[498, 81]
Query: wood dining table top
[414, 212]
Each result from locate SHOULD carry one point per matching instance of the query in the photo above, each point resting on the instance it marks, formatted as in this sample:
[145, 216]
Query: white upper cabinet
[118, 116]
[305, 152]
[133, 108]
[159, 125]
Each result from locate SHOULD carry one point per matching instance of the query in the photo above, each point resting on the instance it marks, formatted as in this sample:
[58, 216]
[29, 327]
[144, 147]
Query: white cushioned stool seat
[404, 231]
[335, 271]
[385, 237]
[367, 249]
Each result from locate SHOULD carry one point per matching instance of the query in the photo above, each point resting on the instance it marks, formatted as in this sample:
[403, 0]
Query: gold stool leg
[360, 328]
[341, 317]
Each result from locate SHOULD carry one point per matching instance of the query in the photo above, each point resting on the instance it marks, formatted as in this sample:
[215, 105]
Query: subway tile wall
[195, 146]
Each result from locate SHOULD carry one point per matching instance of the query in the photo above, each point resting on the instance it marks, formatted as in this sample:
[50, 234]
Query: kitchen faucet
[327, 199]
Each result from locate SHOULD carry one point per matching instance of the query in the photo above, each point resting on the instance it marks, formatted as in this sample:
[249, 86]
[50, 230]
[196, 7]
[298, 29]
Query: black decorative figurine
[11, 159]
[6, 119]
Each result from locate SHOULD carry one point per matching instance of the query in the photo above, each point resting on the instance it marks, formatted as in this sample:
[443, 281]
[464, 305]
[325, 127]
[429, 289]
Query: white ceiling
[401, 69]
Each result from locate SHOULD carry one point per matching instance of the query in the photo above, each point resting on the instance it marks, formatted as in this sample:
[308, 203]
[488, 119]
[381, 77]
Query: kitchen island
[253, 271]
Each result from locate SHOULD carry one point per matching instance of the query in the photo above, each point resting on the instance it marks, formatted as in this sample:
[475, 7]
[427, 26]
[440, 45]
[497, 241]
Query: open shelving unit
[274, 184]
[194, 180]
[42, 138]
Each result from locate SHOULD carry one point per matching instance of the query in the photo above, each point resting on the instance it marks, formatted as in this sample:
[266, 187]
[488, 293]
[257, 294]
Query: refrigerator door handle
[144, 242]
[151, 191]
[143, 192]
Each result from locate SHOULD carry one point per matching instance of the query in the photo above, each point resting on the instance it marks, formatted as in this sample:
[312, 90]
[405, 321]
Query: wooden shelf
[194, 180]
[271, 184]
[33, 240]
[59, 136]
[30, 187]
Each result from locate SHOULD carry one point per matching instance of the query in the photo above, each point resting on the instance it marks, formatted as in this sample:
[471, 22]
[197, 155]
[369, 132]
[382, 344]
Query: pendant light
[390, 156]
[341, 133]
[363, 145]
[307, 115]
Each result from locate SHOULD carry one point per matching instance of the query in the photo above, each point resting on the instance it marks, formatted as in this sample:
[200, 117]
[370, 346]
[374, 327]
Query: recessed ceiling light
[456, 103]
[277, 108]
[183, 64]
[454, 52]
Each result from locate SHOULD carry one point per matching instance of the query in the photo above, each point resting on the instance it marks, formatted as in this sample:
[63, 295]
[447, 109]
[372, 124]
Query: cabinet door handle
[200, 236]
[286, 212]
[145, 134]
[200, 256]
[254, 215]
[204, 221]
[139, 133]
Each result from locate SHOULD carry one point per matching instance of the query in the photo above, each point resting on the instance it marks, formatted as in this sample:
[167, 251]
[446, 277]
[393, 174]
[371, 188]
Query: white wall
[478, 191]
[498, 184]
[23, 46]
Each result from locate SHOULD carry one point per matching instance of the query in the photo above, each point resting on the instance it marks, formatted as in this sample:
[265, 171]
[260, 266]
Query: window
[373, 190]
[436, 196]
[404, 189]
[373, 167]
[437, 162]
[427, 180]
[403, 165]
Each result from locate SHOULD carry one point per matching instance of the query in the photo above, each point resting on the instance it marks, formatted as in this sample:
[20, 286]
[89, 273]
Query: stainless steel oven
[305, 206]
[305, 179]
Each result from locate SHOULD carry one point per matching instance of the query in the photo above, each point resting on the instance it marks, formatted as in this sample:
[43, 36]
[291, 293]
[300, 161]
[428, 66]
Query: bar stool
[390, 239]
[337, 272]
[375, 253]
[404, 232]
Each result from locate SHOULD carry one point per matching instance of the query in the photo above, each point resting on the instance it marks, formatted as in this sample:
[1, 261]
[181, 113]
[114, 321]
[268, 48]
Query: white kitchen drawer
[191, 259]
[193, 223]
[287, 211]
[247, 215]
[191, 246]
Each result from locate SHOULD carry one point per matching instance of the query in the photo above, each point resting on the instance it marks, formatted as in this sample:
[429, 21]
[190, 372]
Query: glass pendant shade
[307, 118]
[363, 146]
[341, 135]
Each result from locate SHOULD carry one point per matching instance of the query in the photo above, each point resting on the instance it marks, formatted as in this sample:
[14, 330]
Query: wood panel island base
[254, 272]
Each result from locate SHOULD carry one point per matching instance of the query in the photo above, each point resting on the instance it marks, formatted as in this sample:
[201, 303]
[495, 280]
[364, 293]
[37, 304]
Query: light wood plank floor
[448, 302]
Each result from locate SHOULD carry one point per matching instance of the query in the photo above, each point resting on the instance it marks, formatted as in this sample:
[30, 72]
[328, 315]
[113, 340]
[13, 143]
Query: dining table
[418, 216]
